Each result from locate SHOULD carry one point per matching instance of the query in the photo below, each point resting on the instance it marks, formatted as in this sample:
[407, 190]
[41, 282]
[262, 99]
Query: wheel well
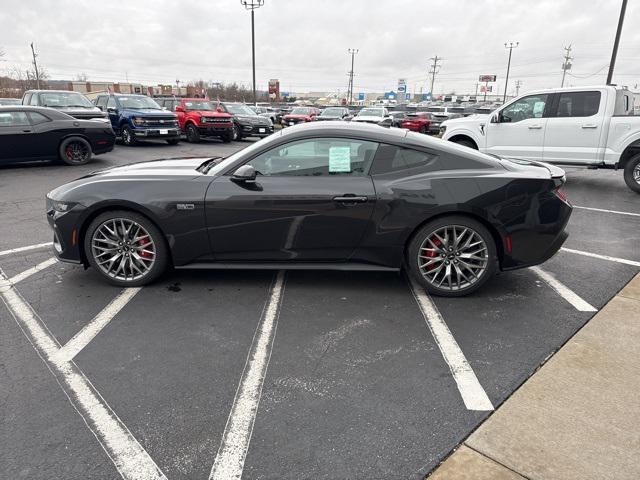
[457, 138]
[75, 135]
[629, 152]
[492, 230]
[110, 208]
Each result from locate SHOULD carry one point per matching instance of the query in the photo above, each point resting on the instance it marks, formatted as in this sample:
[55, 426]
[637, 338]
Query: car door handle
[27, 131]
[589, 125]
[350, 199]
[535, 127]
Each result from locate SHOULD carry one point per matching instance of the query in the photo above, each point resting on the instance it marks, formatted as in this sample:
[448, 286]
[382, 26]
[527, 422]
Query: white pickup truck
[578, 126]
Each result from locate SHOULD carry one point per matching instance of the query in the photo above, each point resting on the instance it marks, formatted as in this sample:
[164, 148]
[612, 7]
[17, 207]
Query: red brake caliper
[433, 253]
[141, 242]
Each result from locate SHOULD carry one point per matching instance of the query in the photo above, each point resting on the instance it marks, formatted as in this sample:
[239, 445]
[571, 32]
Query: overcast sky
[304, 42]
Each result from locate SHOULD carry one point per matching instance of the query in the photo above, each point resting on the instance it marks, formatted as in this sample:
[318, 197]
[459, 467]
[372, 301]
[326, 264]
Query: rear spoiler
[556, 172]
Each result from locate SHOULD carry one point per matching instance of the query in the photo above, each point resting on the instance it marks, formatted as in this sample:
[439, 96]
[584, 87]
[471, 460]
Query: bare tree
[81, 77]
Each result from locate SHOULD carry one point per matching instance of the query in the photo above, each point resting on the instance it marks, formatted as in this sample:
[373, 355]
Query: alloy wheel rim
[76, 152]
[636, 173]
[126, 136]
[453, 257]
[123, 249]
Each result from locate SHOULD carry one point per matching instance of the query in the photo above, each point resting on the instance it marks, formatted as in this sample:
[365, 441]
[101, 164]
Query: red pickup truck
[417, 122]
[199, 118]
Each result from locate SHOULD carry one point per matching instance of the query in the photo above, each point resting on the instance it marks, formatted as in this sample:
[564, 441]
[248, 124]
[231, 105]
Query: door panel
[294, 218]
[574, 132]
[15, 136]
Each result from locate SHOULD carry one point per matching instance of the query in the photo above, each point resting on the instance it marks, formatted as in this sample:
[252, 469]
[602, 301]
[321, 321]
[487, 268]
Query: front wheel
[227, 137]
[125, 248]
[75, 151]
[452, 256]
[236, 135]
[128, 138]
[632, 173]
[193, 135]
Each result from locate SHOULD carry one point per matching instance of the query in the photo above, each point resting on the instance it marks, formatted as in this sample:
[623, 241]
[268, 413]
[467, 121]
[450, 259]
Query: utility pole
[35, 66]
[614, 54]
[252, 5]
[352, 52]
[435, 69]
[518, 85]
[178, 86]
[567, 63]
[510, 46]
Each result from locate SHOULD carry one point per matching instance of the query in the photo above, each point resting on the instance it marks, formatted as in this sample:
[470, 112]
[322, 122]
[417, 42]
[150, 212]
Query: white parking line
[564, 291]
[24, 249]
[607, 211]
[229, 461]
[27, 273]
[128, 456]
[473, 395]
[89, 331]
[602, 257]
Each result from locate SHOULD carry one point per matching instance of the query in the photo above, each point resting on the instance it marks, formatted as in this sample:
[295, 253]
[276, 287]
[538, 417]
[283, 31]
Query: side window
[318, 157]
[527, 107]
[390, 158]
[111, 103]
[34, 99]
[26, 99]
[578, 104]
[13, 119]
[38, 118]
[102, 102]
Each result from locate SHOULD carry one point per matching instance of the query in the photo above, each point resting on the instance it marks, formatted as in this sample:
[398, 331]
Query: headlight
[203, 119]
[60, 207]
[443, 128]
[139, 121]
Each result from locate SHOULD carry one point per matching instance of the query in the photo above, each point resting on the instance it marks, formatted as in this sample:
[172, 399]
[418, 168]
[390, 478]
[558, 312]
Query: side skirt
[345, 266]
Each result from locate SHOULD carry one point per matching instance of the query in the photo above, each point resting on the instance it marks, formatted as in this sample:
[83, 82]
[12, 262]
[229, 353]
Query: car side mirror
[244, 174]
[219, 110]
[495, 118]
[386, 122]
[179, 108]
[112, 110]
[100, 107]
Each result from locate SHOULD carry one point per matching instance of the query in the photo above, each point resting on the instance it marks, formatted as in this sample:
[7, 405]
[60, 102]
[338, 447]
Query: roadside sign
[486, 88]
[487, 78]
[361, 96]
[402, 85]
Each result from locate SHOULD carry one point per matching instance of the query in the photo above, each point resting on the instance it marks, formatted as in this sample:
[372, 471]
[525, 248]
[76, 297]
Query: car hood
[149, 112]
[79, 112]
[297, 116]
[367, 118]
[255, 118]
[476, 119]
[210, 113]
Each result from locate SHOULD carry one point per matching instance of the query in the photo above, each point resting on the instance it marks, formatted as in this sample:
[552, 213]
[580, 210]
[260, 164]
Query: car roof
[51, 112]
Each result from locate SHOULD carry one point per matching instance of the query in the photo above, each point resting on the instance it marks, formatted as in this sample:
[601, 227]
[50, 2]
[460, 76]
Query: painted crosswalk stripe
[473, 395]
[229, 461]
[89, 331]
[602, 257]
[33, 270]
[602, 210]
[565, 292]
[129, 457]
[37, 246]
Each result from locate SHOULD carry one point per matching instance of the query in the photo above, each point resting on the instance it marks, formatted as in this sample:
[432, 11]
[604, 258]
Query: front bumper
[66, 234]
[215, 130]
[250, 130]
[172, 132]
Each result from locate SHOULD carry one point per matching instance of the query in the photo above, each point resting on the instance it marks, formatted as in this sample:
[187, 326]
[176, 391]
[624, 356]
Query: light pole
[616, 42]
[352, 52]
[510, 46]
[178, 86]
[252, 5]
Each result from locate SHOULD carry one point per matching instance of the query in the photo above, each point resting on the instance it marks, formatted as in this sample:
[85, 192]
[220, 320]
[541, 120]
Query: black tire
[236, 134]
[159, 245]
[227, 137]
[423, 130]
[192, 133]
[418, 257]
[128, 138]
[75, 151]
[173, 141]
[465, 143]
[632, 173]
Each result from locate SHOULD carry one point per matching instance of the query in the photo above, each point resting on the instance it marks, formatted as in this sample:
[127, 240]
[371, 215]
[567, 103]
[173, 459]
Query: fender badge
[185, 206]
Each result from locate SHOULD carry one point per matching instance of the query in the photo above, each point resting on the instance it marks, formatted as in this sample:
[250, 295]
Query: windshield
[301, 111]
[138, 102]
[374, 112]
[239, 109]
[64, 100]
[245, 152]
[456, 109]
[435, 109]
[10, 101]
[198, 105]
[332, 112]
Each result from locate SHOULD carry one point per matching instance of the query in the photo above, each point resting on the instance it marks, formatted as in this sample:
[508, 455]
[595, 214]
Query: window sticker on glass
[339, 159]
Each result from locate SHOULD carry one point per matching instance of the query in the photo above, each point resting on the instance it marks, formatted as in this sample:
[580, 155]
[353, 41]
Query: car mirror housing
[112, 110]
[495, 118]
[245, 173]
[179, 108]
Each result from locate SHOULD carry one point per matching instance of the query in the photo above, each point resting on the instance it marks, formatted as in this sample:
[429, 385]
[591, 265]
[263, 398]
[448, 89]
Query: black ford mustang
[317, 196]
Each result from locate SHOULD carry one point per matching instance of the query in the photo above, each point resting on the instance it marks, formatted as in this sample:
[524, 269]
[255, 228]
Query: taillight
[561, 195]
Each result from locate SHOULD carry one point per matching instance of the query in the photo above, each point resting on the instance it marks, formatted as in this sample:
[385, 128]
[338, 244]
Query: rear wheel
[465, 143]
[632, 173]
[193, 135]
[452, 256]
[128, 138]
[125, 248]
[423, 129]
[75, 151]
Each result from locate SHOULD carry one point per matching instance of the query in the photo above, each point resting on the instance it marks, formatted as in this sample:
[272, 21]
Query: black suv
[71, 103]
[246, 122]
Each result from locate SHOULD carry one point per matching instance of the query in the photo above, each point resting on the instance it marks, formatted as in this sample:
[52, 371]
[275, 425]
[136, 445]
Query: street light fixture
[252, 5]
[510, 46]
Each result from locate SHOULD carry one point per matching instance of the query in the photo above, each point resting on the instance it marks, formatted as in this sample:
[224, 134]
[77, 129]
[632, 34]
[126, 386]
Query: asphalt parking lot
[274, 375]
